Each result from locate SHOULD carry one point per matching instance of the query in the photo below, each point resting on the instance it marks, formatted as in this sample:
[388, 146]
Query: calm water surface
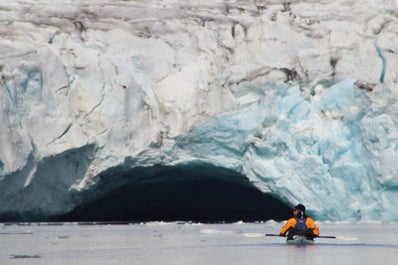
[191, 244]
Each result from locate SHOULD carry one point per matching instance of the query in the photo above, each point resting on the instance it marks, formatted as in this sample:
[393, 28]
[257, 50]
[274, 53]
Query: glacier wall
[297, 96]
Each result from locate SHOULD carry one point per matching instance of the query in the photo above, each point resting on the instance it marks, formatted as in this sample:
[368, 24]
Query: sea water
[192, 243]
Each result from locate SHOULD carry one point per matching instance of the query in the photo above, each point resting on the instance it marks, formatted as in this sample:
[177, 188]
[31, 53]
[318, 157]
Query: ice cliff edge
[298, 97]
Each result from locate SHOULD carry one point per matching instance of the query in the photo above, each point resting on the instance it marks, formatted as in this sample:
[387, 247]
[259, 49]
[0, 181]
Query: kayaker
[300, 224]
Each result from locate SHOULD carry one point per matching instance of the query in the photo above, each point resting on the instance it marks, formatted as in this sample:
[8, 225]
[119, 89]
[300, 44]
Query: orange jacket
[292, 222]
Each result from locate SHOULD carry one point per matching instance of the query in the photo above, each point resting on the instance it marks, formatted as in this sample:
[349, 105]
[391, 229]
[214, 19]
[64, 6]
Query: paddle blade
[347, 237]
[253, 234]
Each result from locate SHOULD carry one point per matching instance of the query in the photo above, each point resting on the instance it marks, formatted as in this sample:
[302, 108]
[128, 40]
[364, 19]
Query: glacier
[295, 99]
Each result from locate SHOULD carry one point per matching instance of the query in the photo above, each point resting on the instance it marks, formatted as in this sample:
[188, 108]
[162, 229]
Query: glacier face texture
[298, 100]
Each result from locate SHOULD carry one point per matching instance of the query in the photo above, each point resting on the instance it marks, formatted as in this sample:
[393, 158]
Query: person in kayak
[300, 224]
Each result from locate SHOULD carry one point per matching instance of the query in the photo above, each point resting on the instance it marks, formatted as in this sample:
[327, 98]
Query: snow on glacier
[297, 96]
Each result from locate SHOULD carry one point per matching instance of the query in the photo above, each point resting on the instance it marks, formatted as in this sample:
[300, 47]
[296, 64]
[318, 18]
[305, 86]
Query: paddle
[336, 237]
[317, 236]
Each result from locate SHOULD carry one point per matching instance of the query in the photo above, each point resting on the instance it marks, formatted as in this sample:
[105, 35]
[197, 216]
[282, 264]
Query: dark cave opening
[199, 193]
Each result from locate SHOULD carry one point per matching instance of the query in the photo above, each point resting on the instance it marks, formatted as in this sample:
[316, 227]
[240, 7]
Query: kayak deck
[300, 240]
